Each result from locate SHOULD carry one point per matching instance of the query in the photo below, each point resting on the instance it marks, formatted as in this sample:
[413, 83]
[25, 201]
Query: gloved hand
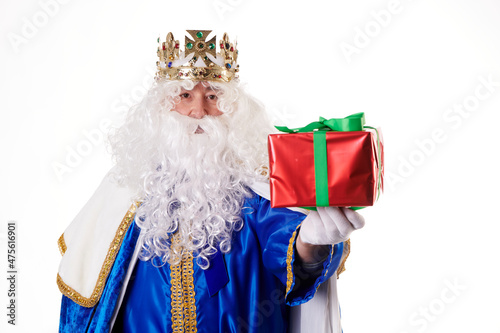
[330, 225]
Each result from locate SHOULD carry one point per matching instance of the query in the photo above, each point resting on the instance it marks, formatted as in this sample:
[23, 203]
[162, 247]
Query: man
[180, 236]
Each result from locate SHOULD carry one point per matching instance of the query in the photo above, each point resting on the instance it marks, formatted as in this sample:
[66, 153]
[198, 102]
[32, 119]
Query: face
[198, 103]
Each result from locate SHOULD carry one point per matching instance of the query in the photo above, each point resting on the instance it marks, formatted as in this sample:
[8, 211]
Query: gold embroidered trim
[188, 294]
[106, 267]
[345, 254]
[62, 245]
[176, 298]
[289, 256]
[183, 307]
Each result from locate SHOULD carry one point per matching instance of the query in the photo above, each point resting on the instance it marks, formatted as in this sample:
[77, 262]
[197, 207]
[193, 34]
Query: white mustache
[197, 126]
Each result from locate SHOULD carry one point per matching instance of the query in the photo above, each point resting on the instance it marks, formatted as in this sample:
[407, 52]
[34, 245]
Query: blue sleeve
[277, 229]
[74, 317]
[303, 287]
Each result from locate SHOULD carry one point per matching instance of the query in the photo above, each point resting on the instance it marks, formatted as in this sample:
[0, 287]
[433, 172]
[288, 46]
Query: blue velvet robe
[263, 282]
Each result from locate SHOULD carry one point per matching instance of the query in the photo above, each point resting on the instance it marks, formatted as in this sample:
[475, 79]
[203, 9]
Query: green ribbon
[354, 122]
[321, 169]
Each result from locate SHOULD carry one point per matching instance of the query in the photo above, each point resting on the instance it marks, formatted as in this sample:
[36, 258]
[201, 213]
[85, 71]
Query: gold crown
[199, 61]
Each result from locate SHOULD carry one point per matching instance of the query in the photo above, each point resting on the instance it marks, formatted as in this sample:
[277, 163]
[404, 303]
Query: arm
[277, 230]
[310, 253]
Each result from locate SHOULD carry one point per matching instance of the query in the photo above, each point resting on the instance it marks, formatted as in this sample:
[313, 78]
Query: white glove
[330, 225]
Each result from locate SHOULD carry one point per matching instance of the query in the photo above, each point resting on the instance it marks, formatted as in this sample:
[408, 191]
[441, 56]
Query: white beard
[195, 186]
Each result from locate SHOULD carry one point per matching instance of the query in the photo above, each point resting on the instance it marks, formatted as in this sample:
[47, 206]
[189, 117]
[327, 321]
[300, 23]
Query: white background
[68, 69]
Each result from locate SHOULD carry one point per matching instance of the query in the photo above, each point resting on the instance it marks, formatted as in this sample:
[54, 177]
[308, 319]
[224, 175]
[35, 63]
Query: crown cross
[199, 45]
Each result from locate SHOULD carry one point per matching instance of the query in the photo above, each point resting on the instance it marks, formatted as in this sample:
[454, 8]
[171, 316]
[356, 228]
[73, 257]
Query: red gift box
[352, 167]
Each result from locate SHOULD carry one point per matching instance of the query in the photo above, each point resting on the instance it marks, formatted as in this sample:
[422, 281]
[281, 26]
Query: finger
[335, 221]
[356, 219]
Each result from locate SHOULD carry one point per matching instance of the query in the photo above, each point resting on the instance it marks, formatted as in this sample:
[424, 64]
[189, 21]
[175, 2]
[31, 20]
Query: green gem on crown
[199, 34]
[189, 45]
[211, 46]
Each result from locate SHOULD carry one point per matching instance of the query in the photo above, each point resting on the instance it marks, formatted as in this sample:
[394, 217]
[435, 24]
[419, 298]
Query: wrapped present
[334, 162]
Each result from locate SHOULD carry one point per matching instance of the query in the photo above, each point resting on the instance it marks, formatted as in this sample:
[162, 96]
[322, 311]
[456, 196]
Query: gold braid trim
[176, 298]
[62, 245]
[183, 307]
[176, 290]
[188, 294]
[114, 247]
[345, 254]
[289, 256]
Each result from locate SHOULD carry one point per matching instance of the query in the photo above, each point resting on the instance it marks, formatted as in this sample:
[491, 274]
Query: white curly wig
[193, 184]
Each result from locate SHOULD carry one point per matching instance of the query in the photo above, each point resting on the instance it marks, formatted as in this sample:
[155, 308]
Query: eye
[212, 97]
[184, 95]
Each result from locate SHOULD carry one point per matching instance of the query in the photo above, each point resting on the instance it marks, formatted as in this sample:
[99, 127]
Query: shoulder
[103, 211]
[93, 238]
[258, 211]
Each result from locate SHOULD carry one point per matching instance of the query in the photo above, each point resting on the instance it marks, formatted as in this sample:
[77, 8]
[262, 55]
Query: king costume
[254, 288]
[259, 285]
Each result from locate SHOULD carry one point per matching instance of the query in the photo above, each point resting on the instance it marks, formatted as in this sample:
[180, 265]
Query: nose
[198, 109]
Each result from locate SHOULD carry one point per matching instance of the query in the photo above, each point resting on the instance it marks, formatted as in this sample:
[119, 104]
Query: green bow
[354, 122]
